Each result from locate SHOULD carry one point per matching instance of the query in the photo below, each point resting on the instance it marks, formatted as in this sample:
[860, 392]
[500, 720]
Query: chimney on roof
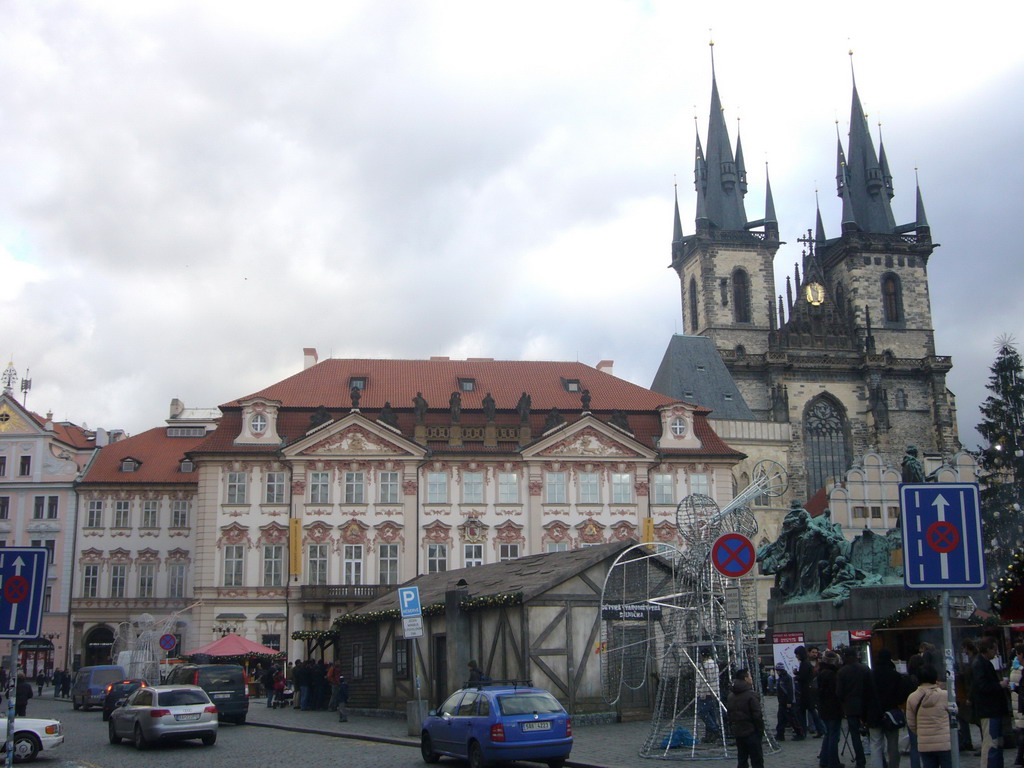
[605, 366]
[309, 357]
[177, 408]
[48, 426]
[102, 438]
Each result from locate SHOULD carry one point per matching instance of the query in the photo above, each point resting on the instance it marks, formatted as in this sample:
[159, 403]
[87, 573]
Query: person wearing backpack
[928, 718]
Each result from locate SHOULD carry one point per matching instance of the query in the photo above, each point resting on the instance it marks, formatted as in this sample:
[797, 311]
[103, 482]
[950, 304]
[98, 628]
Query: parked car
[33, 735]
[90, 686]
[117, 692]
[498, 721]
[160, 713]
[225, 683]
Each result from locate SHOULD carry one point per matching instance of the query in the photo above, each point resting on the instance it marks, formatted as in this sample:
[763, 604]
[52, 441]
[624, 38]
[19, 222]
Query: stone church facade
[839, 364]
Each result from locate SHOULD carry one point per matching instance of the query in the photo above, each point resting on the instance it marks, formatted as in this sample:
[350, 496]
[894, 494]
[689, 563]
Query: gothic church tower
[845, 362]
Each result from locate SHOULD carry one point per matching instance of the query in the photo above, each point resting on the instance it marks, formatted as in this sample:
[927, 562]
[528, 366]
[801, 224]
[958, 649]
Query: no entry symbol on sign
[16, 589]
[732, 554]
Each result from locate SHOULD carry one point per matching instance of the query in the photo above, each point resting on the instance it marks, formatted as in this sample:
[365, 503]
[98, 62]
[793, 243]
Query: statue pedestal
[817, 618]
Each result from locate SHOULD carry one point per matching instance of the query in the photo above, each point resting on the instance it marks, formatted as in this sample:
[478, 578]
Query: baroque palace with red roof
[322, 491]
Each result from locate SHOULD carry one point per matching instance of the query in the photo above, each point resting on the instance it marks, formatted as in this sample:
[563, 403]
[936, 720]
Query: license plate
[540, 725]
[182, 718]
[222, 695]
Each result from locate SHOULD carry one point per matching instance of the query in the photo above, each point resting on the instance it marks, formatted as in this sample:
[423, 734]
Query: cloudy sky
[192, 192]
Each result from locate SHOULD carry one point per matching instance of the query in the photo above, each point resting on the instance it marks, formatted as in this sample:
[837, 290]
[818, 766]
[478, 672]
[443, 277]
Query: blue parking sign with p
[409, 601]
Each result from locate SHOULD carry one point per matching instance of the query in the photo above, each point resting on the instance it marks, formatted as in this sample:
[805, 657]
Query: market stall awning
[234, 645]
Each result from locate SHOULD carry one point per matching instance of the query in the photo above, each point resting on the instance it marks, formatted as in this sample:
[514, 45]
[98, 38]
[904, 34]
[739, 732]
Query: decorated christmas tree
[1001, 459]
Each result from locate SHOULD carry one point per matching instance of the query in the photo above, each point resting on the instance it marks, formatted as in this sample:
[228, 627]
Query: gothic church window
[892, 298]
[693, 306]
[826, 445]
[901, 400]
[741, 296]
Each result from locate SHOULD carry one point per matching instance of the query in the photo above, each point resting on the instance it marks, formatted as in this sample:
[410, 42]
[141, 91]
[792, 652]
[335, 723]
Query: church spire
[677, 233]
[741, 168]
[884, 164]
[921, 219]
[723, 185]
[770, 221]
[864, 176]
[819, 227]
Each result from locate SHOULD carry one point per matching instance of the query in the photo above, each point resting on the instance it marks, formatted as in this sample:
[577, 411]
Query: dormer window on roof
[129, 465]
[571, 385]
[187, 465]
[467, 385]
[357, 382]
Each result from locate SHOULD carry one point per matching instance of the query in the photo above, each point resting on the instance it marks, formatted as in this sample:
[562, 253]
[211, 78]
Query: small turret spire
[819, 227]
[769, 201]
[741, 168]
[921, 218]
[884, 164]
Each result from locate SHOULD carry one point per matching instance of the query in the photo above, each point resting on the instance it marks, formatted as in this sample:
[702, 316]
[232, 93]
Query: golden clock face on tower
[815, 294]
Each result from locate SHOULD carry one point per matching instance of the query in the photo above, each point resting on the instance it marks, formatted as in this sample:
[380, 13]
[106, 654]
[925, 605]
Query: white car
[31, 736]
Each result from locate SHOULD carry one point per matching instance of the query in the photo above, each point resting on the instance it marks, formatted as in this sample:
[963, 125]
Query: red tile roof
[159, 456]
[68, 433]
[398, 381]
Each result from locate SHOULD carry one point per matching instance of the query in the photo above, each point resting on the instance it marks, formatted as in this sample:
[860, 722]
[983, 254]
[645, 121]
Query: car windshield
[105, 676]
[182, 698]
[221, 677]
[528, 703]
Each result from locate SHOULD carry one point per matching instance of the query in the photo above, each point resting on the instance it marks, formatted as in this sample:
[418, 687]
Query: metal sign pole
[950, 653]
[12, 692]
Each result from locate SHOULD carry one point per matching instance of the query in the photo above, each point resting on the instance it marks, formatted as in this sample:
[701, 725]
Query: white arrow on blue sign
[942, 539]
[409, 601]
[22, 587]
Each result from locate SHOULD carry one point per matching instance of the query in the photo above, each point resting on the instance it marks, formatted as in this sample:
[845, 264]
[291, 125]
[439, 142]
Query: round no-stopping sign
[167, 642]
[732, 554]
[942, 536]
[16, 589]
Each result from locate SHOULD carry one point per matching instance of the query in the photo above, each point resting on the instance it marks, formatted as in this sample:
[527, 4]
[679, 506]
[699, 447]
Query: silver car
[164, 713]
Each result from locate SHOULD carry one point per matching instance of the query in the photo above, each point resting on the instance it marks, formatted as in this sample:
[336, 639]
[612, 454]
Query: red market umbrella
[234, 646]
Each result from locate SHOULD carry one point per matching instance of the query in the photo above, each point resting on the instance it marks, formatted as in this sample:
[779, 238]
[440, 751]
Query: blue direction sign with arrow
[942, 543]
[22, 587]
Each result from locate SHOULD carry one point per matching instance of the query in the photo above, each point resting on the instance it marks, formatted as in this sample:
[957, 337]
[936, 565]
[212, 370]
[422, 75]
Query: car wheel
[140, 739]
[557, 762]
[26, 747]
[476, 755]
[427, 749]
[75, 705]
[112, 733]
[106, 715]
[209, 739]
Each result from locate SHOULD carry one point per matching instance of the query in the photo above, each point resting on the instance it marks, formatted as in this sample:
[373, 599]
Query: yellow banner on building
[295, 547]
[647, 533]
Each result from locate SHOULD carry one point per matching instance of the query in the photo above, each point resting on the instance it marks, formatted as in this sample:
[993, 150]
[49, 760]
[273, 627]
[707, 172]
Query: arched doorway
[98, 645]
[35, 656]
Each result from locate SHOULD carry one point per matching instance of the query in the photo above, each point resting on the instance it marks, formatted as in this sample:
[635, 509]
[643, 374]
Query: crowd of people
[307, 685]
[826, 691]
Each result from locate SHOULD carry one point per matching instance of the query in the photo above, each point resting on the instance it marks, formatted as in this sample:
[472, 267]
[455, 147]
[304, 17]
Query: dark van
[224, 683]
[90, 686]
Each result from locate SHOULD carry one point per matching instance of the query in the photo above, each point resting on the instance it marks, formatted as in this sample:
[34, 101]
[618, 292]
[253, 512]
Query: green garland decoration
[1006, 584]
[906, 612]
[434, 609]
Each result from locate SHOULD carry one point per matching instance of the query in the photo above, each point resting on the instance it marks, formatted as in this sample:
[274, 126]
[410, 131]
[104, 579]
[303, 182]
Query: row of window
[354, 488]
[43, 507]
[24, 466]
[875, 513]
[318, 561]
[145, 584]
[149, 518]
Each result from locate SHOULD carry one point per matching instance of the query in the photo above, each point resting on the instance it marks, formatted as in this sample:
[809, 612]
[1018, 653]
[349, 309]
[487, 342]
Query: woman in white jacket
[928, 718]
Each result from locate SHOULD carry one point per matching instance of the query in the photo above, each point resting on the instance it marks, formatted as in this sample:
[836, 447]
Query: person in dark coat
[342, 699]
[303, 684]
[22, 693]
[785, 693]
[65, 684]
[747, 720]
[830, 709]
[988, 699]
[892, 693]
[474, 672]
[856, 690]
[804, 696]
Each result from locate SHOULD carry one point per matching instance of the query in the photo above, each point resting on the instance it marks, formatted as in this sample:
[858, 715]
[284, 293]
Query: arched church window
[901, 399]
[892, 298]
[693, 306]
[741, 296]
[826, 445]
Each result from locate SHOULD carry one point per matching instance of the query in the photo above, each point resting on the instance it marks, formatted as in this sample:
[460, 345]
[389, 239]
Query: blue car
[498, 721]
